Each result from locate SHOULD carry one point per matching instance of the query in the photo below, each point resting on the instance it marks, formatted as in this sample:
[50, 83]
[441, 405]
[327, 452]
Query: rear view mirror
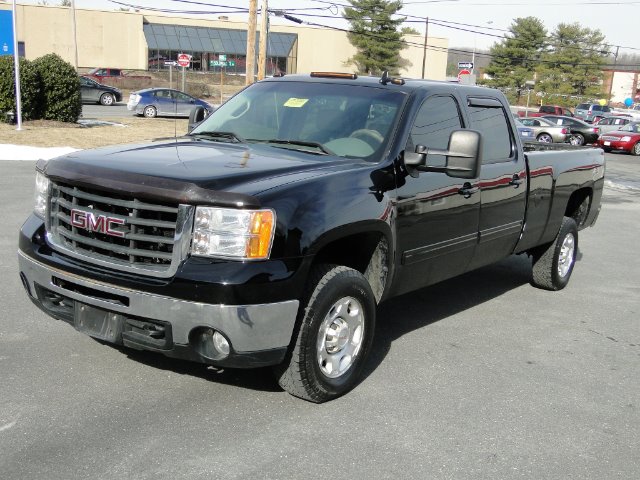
[463, 156]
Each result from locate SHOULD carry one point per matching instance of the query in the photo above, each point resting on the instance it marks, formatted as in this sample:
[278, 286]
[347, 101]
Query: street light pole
[16, 60]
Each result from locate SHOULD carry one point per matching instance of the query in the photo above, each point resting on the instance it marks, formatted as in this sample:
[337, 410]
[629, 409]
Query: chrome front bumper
[249, 328]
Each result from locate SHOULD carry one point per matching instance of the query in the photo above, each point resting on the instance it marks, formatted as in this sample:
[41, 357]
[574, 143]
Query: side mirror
[463, 156]
[197, 115]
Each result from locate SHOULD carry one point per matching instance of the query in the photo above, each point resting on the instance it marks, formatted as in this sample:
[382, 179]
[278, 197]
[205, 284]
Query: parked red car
[627, 139]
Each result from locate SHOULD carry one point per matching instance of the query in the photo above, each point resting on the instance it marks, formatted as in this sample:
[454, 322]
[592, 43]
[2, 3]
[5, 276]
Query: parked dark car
[94, 92]
[154, 102]
[627, 139]
[581, 132]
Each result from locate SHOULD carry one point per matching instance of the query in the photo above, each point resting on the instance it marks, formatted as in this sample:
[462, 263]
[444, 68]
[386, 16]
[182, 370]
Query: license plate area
[98, 323]
[607, 143]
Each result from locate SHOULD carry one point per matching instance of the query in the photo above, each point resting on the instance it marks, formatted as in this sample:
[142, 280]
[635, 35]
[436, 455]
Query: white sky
[618, 20]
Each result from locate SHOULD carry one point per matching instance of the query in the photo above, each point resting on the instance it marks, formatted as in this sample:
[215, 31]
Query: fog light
[221, 344]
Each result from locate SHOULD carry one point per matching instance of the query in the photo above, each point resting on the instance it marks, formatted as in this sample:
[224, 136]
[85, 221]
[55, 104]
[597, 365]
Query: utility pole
[251, 41]
[264, 26]
[424, 52]
[613, 73]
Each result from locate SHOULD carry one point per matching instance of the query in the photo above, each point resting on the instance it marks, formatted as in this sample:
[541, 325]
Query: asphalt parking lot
[478, 377]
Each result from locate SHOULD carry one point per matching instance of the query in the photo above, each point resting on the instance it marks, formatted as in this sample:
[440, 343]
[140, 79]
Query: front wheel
[553, 263]
[334, 336]
[636, 149]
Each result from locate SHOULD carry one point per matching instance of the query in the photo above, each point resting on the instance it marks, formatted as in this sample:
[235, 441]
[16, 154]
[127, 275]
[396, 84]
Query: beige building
[139, 41]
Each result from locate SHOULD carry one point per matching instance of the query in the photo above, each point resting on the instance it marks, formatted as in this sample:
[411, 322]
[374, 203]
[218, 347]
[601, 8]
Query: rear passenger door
[503, 181]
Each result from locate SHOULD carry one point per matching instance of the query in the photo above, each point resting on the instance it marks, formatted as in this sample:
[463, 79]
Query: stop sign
[184, 59]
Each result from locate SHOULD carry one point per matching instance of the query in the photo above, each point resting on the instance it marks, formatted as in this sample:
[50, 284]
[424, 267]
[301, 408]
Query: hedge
[61, 88]
[30, 88]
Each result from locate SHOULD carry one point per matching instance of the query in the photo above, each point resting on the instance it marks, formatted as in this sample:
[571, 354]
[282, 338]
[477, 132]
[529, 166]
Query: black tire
[333, 291]
[150, 111]
[553, 263]
[635, 150]
[545, 138]
[107, 99]
[607, 149]
[577, 139]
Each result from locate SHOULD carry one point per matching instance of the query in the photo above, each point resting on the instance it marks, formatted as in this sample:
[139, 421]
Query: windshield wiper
[324, 150]
[230, 136]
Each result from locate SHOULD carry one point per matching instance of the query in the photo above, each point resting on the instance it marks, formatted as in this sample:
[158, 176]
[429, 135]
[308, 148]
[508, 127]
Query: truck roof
[407, 85]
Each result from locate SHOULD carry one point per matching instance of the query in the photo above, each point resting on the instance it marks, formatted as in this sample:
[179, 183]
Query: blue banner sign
[6, 32]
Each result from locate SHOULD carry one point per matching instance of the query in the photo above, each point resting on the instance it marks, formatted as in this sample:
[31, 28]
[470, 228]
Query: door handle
[516, 181]
[467, 190]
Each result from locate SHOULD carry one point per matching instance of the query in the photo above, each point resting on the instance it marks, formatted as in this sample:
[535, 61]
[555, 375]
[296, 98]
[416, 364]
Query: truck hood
[191, 170]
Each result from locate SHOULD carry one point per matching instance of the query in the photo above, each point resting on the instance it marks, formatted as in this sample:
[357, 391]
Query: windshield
[345, 120]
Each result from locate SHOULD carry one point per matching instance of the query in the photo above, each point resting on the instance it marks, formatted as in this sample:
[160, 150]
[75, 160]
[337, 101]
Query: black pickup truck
[269, 233]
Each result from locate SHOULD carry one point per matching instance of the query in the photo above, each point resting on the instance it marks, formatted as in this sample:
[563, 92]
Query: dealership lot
[478, 377]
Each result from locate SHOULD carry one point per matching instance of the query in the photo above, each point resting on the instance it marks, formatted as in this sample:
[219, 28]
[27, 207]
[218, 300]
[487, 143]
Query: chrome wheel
[577, 140]
[545, 138]
[340, 337]
[107, 99]
[567, 251]
[636, 149]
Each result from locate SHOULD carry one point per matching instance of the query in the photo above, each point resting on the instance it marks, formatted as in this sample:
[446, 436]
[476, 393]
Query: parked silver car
[545, 131]
[611, 124]
[155, 102]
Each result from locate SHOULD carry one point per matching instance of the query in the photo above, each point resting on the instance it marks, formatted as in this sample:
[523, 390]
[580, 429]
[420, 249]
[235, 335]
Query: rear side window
[496, 134]
[583, 106]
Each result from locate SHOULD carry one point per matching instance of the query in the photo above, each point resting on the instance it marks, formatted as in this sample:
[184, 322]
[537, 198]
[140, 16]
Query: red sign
[184, 59]
[464, 72]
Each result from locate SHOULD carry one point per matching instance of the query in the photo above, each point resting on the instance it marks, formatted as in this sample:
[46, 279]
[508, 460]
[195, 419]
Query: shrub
[31, 94]
[61, 88]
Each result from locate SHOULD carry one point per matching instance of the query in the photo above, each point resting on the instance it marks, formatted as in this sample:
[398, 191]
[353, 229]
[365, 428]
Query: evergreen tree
[573, 64]
[515, 59]
[375, 34]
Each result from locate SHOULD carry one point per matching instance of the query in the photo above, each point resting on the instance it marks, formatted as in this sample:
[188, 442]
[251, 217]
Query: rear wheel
[636, 149]
[577, 139]
[334, 336]
[544, 138]
[150, 111]
[107, 99]
[553, 263]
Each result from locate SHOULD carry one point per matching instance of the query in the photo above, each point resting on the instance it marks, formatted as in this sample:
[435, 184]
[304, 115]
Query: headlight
[231, 233]
[626, 138]
[40, 196]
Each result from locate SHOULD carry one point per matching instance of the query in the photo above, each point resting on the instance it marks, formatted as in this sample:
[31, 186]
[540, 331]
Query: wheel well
[367, 252]
[578, 205]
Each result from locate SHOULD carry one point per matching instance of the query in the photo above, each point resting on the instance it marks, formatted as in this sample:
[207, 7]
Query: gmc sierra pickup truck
[270, 233]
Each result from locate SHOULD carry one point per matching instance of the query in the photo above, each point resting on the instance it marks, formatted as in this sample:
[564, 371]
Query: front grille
[609, 138]
[141, 237]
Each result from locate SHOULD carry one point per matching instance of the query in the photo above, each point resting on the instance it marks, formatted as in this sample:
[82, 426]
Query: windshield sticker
[296, 102]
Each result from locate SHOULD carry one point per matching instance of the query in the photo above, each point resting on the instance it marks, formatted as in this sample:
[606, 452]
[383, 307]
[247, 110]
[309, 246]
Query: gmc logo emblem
[99, 223]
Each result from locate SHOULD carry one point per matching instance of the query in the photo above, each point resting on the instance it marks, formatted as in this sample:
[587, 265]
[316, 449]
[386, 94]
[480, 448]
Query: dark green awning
[215, 40]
